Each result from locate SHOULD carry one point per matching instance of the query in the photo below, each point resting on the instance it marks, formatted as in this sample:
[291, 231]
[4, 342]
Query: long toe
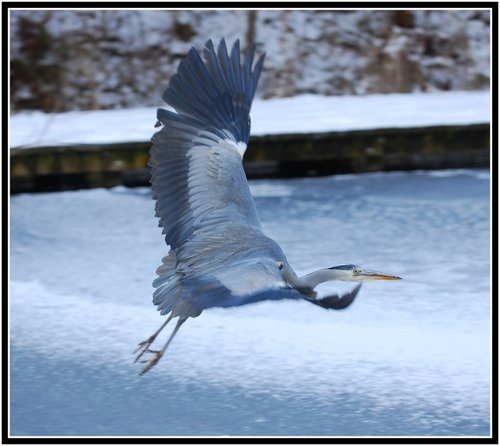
[142, 348]
[152, 361]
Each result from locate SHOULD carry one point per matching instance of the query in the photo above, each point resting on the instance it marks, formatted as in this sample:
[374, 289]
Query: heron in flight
[219, 256]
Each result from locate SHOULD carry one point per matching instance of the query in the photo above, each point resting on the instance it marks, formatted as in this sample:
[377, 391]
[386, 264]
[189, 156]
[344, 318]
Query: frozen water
[408, 358]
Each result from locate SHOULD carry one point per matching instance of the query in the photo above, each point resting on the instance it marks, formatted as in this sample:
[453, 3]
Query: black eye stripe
[343, 267]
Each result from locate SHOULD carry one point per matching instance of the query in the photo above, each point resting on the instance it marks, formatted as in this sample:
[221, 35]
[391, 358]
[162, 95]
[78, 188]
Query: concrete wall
[60, 168]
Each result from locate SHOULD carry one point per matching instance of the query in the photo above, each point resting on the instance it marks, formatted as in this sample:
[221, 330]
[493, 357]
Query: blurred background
[91, 60]
[355, 91]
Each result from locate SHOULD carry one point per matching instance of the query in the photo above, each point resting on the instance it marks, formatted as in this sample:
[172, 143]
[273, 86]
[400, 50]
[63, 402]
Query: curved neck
[313, 279]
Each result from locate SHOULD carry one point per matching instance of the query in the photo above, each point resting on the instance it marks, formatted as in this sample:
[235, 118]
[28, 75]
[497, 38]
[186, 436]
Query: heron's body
[219, 256]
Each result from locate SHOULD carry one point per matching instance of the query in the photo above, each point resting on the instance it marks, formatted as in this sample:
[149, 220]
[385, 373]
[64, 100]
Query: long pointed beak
[374, 275]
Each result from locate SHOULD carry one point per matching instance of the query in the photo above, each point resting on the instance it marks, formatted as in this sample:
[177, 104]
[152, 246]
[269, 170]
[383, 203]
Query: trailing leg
[157, 354]
[144, 345]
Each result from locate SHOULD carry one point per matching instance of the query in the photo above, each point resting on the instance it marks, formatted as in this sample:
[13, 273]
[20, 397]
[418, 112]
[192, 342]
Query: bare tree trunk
[251, 20]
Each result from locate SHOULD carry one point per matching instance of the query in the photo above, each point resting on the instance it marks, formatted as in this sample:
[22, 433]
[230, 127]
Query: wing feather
[198, 180]
[245, 282]
[202, 196]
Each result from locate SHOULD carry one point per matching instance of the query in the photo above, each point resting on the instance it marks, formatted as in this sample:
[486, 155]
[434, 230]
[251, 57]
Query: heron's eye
[356, 271]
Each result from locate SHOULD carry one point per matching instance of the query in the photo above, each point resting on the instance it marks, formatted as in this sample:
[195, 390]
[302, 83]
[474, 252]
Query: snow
[329, 52]
[298, 114]
[407, 358]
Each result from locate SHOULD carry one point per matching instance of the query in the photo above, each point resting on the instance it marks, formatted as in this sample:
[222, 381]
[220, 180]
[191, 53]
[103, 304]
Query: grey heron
[218, 256]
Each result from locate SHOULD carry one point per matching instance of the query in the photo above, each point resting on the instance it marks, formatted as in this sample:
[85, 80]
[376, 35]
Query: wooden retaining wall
[276, 156]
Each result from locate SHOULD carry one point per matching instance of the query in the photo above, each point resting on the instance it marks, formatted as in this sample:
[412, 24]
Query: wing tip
[336, 301]
[214, 88]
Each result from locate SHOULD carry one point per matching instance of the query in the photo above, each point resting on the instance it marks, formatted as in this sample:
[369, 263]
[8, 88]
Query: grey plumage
[202, 197]
[218, 255]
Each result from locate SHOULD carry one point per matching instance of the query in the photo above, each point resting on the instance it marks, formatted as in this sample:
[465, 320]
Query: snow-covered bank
[299, 114]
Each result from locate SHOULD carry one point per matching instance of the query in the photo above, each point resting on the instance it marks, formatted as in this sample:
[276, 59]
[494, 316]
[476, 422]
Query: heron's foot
[143, 347]
[156, 355]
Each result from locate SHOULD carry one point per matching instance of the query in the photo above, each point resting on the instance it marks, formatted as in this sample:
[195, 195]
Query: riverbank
[300, 136]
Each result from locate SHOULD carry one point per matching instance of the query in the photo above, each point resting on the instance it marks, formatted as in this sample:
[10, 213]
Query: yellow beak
[381, 276]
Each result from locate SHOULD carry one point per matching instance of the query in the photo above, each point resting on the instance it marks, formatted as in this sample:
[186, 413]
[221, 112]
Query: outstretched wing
[216, 295]
[202, 196]
[235, 283]
[198, 180]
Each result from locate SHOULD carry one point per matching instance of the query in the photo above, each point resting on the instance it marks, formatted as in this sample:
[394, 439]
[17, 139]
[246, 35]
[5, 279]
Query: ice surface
[408, 358]
[299, 114]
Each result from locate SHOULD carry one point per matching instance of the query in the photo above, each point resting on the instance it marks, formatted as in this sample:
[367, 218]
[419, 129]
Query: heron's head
[355, 273]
